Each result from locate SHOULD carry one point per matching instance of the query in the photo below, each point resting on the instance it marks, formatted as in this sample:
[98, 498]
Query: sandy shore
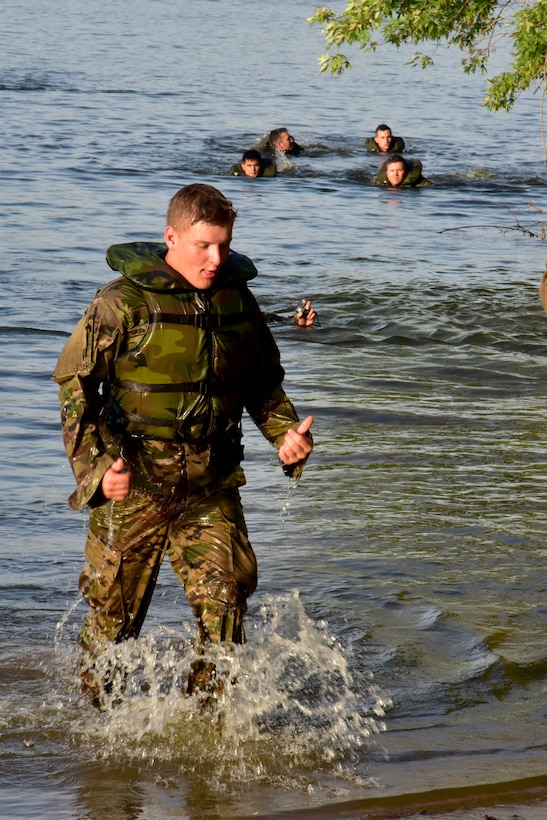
[524, 799]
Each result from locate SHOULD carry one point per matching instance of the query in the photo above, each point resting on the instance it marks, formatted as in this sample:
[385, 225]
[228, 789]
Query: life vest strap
[204, 388]
[203, 321]
[151, 421]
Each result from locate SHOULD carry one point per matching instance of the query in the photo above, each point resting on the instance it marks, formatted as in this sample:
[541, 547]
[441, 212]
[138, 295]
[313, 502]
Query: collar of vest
[144, 264]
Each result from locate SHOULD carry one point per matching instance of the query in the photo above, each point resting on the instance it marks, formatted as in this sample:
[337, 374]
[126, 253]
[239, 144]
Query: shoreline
[525, 794]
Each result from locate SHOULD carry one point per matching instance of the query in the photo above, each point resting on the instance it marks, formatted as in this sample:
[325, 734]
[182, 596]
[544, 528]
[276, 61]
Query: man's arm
[305, 315]
[273, 412]
[80, 372]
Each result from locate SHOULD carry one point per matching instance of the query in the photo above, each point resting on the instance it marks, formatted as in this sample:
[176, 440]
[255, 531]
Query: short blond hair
[200, 203]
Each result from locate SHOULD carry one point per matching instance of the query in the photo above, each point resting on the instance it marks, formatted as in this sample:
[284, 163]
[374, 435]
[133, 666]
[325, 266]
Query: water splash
[291, 489]
[62, 622]
[283, 162]
[289, 707]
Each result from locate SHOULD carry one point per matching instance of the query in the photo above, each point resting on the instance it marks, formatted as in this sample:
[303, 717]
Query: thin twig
[502, 228]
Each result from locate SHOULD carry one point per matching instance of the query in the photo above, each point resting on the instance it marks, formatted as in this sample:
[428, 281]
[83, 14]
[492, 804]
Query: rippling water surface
[396, 658]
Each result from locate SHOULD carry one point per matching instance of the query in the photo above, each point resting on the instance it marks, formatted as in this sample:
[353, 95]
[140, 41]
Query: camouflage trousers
[205, 539]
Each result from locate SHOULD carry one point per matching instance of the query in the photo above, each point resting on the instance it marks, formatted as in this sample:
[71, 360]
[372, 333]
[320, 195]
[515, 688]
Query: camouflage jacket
[237, 350]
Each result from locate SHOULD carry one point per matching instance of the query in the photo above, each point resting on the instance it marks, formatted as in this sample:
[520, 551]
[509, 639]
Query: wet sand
[517, 800]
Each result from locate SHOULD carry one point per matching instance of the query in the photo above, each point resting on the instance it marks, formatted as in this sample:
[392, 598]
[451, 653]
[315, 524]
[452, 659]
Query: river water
[397, 657]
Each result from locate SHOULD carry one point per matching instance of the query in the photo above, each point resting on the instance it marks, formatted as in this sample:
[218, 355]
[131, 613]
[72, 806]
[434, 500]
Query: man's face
[251, 167]
[395, 173]
[198, 252]
[383, 139]
[284, 141]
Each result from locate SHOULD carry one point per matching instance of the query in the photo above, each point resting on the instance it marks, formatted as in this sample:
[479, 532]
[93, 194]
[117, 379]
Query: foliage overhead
[476, 27]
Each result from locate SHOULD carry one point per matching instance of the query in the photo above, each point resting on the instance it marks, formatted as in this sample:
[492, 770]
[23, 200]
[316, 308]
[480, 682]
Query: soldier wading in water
[153, 384]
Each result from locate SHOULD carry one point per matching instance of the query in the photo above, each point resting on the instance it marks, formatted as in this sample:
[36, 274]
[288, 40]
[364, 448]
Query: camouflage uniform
[160, 374]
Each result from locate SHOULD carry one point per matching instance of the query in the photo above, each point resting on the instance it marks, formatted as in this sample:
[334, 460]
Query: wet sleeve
[80, 372]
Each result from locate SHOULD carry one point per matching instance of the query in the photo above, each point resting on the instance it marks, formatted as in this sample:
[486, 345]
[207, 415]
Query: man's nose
[214, 254]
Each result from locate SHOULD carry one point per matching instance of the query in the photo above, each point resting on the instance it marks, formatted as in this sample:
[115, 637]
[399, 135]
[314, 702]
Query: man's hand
[305, 315]
[116, 481]
[297, 445]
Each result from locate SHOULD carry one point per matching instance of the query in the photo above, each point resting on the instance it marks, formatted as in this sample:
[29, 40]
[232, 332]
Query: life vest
[412, 178]
[268, 169]
[397, 145]
[186, 378]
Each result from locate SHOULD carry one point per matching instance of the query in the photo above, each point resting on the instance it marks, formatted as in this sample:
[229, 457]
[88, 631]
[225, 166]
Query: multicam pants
[206, 541]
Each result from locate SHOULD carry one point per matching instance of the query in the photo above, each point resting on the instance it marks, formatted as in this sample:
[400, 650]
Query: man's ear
[170, 236]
